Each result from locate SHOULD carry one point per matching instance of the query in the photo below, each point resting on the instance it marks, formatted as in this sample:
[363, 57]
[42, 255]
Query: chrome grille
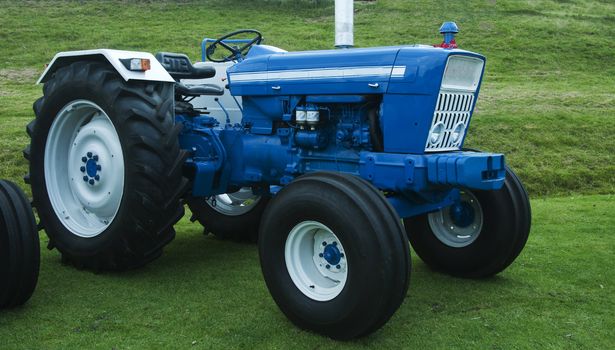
[452, 108]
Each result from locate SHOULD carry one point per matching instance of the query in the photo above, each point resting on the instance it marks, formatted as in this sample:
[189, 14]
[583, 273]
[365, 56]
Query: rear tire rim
[84, 168]
[234, 204]
[459, 225]
[316, 261]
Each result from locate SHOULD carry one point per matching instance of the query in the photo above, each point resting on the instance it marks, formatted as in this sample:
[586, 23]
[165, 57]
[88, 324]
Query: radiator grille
[452, 109]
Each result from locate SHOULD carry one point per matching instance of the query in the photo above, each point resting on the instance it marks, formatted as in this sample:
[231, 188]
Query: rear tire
[334, 255]
[234, 216]
[19, 247]
[106, 167]
[502, 226]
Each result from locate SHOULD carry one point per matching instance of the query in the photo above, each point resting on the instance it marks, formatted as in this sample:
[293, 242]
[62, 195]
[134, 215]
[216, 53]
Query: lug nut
[84, 159]
[89, 154]
[98, 167]
[85, 178]
[342, 255]
[82, 169]
[320, 255]
[91, 181]
[97, 178]
[324, 244]
[328, 266]
[334, 243]
[95, 158]
[338, 267]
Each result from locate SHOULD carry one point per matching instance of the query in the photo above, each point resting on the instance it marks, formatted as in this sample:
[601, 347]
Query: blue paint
[91, 167]
[332, 254]
[449, 29]
[364, 97]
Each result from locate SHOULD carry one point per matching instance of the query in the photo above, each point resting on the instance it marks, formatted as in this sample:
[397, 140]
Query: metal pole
[344, 14]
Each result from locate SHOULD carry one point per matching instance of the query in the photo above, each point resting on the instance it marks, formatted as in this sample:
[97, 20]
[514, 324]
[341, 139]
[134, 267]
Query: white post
[344, 14]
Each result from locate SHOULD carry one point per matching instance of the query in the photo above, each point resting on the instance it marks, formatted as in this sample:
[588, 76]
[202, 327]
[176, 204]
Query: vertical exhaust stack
[344, 13]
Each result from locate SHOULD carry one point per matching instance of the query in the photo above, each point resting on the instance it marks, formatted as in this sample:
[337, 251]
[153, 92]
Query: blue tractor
[331, 160]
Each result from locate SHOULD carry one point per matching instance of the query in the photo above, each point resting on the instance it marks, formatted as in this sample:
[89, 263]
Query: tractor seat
[179, 66]
[198, 89]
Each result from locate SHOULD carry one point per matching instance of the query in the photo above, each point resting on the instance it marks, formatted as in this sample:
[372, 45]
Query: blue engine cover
[408, 79]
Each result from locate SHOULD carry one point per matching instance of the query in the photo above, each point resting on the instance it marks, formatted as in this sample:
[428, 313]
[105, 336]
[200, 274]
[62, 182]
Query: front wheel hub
[460, 224]
[316, 260]
[462, 214]
[332, 254]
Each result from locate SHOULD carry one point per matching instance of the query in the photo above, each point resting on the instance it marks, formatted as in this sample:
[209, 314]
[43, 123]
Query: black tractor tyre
[242, 227]
[369, 232]
[19, 247]
[502, 237]
[141, 113]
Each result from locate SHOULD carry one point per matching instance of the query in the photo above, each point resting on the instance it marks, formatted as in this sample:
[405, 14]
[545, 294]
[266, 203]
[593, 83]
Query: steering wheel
[237, 52]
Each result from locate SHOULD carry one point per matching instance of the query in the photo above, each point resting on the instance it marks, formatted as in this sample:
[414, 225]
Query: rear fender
[155, 73]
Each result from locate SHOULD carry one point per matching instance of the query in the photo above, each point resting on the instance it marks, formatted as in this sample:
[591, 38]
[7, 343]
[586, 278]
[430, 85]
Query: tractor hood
[396, 69]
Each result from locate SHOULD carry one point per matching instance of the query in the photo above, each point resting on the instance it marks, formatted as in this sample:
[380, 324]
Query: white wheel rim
[82, 137]
[314, 269]
[234, 204]
[449, 231]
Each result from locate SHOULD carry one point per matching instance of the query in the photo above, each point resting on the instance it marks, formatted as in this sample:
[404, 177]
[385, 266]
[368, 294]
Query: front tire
[334, 255]
[478, 237]
[105, 166]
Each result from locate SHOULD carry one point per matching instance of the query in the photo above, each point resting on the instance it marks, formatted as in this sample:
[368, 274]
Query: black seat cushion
[198, 89]
[179, 66]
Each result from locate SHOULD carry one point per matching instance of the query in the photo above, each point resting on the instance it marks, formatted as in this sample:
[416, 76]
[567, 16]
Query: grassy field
[548, 103]
[210, 294]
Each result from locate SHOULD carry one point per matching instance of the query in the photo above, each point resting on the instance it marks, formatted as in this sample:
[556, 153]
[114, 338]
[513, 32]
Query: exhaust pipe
[344, 13]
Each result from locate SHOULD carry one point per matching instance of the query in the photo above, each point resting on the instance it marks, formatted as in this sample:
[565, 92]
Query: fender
[156, 73]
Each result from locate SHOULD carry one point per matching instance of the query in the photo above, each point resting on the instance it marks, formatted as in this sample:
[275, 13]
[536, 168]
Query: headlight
[436, 133]
[462, 73]
[457, 133]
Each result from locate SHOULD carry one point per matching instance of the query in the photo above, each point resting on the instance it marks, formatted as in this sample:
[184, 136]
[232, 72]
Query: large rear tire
[105, 166]
[234, 216]
[19, 247]
[334, 255]
[480, 236]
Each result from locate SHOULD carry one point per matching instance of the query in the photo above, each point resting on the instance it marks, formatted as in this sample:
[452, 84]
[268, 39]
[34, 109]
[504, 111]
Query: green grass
[547, 102]
[558, 294]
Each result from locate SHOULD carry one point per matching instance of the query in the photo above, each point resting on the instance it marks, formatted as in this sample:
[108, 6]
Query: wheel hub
[316, 260]
[460, 224]
[331, 254]
[91, 168]
[462, 214]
